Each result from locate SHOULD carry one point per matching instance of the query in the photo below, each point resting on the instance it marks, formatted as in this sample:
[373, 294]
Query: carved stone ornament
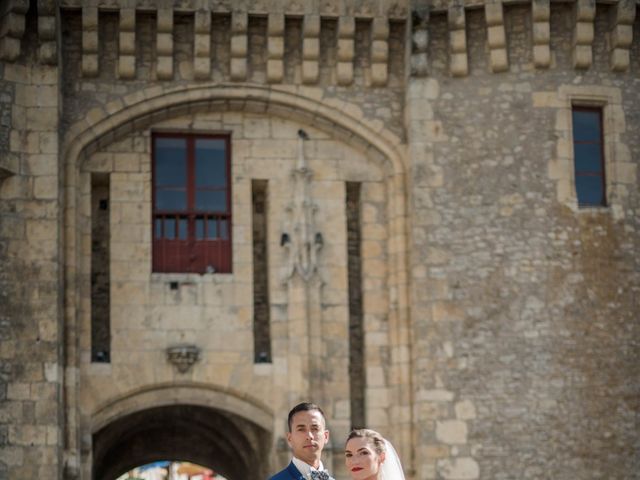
[183, 356]
[300, 239]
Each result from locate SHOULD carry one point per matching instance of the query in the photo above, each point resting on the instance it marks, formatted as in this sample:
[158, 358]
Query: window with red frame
[588, 152]
[191, 203]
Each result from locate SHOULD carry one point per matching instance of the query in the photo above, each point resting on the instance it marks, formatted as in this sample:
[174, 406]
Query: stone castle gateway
[422, 215]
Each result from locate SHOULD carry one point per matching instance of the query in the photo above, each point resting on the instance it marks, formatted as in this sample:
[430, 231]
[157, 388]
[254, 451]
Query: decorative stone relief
[183, 356]
[301, 240]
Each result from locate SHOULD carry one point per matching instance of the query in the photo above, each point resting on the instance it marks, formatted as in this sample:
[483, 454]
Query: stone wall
[500, 319]
[30, 261]
[525, 306]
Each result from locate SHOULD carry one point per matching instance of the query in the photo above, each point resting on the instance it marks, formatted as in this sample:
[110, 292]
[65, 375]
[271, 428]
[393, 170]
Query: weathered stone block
[346, 50]
[499, 60]
[275, 70]
[202, 68]
[127, 43]
[496, 37]
[164, 69]
[541, 56]
[462, 468]
[582, 56]
[541, 10]
[239, 46]
[344, 73]
[458, 41]
[622, 36]
[620, 60]
[164, 44]
[379, 51]
[451, 432]
[583, 33]
[459, 66]
[275, 47]
[493, 13]
[541, 33]
[238, 69]
[310, 71]
[311, 48]
[379, 74]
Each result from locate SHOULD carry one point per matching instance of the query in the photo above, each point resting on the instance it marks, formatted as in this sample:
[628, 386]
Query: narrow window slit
[100, 274]
[261, 317]
[356, 328]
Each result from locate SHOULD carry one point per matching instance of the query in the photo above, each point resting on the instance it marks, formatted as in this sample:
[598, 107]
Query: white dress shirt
[304, 468]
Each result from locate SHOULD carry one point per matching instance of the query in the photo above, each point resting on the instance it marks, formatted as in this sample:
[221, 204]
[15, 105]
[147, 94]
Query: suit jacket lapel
[294, 472]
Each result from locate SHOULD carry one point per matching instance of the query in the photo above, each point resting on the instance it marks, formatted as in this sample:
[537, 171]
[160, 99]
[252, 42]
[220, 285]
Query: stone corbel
[127, 44]
[89, 41]
[47, 26]
[420, 42]
[541, 13]
[275, 48]
[310, 48]
[622, 35]
[12, 26]
[202, 45]
[585, 12]
[346, 49]
[379, 51]
[458, 62]
[239, 45]
[164, 44]
[496, 36]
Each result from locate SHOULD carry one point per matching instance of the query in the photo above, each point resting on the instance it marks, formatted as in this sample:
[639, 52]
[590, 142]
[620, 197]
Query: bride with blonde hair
[369, 456]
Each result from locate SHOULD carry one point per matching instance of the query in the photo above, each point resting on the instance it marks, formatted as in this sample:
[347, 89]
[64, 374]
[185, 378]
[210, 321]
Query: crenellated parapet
[216, 38]
[577, 19]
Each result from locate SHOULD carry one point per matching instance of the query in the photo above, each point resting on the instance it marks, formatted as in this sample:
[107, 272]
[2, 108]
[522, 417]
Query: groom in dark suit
[307, 437]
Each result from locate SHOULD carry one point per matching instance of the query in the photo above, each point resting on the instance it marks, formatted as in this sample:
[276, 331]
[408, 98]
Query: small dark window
[588, 150]
[191, 203]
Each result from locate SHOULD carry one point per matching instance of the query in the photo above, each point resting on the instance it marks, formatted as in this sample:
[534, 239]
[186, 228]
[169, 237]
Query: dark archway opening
[234, 446]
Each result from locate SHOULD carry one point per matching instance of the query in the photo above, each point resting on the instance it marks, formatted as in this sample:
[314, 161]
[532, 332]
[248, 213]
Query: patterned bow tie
[320, 475]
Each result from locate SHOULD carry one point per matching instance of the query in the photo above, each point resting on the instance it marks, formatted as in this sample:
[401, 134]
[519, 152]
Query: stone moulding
[185, 393]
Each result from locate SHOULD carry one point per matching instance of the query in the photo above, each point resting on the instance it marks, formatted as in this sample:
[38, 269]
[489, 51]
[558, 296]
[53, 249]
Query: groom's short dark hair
[304, 407]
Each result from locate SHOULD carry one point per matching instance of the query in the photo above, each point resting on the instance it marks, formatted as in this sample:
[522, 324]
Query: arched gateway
[194, 423]
[210, 415]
